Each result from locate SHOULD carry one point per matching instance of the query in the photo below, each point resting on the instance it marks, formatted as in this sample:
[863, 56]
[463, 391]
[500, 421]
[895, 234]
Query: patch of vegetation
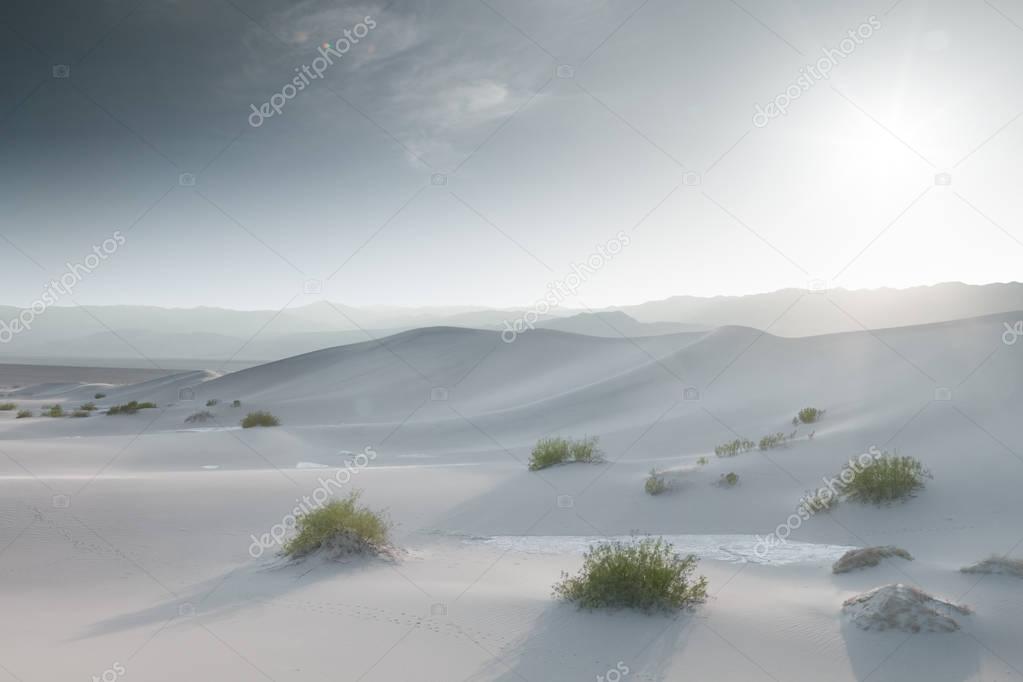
[24, 414]
[259, 418]
[886, 478]
[7, 407]
[728, 480]
[53, 411]
[821, 500]
[647, 575]
[808, 415]
[655, 483]
[211, 402]
[997, 564]
[341, 527]
[199, 417]
[130, 407]
[88, 407]
[549, 452]
[868, 556]
[772, 440]
[99, 396]
[80, 413]
[702, 461]
[236, 403]
[733, 448]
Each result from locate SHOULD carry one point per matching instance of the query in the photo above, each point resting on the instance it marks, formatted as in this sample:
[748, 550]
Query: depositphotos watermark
[559, 290]
[62, 286]
[275, 537]
[822, 499]
[310, 72]
[812, 73]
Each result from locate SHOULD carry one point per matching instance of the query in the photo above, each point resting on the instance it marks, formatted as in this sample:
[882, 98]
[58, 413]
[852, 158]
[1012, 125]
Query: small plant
[702, 461]
[772, 440]
[236, 403]
[885, 479]
[7, 407]
[88, 407]
[341, 527]
[80, 413]
[647, 575]
[130, 407]
[551, 451]
[655, 483]
[24, 414]
[868, 556]
[99, 396]
[260, 418]
[808, 415]
[821, 500]
[728, 480]
[211, 402]
[733, 448]
[53, 411]
[199, 417]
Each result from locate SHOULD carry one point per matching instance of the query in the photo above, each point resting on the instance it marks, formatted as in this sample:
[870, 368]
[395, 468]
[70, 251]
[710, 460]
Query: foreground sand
[148, 566]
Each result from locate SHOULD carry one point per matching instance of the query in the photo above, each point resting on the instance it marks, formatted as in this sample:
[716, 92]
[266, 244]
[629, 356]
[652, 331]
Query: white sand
[149, 565]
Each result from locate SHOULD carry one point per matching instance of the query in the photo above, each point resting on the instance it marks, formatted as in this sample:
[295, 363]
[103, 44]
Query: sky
[474, 152]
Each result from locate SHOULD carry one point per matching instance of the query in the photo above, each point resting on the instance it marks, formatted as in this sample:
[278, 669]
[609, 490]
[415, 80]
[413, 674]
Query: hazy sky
[649, 132]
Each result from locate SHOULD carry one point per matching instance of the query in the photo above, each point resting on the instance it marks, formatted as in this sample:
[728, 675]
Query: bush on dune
[236, 403]
[733, 448]
[87, 407]
[99, 396]
[340, 527]
[808, 415]
[80, 413]
[53, 411]
[772, 440]
[549, 452]
[23, 414]
[130, 407]
[7, 407]
[647, 575]
[728, 480]
[211, 402]
[886, 478]
[199, 417]
[655, 483]
[260, 418]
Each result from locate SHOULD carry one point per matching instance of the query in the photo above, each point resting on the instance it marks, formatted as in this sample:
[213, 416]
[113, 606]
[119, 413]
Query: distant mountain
[615, 323]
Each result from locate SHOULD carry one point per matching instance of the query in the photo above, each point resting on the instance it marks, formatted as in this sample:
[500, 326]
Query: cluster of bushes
[259, 418]
[549, 452]
[24, 414]
[87, 407]
[733, 448]
[199, 417]
[80, 413]
[807, 415]
[211, 402]
[130, 407]
[647, 575]
[772, 440]
[53, 411]
[886, 478]
[341, 527]
[7, 407]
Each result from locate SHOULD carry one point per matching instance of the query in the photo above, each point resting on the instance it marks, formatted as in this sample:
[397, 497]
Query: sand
[128, 540]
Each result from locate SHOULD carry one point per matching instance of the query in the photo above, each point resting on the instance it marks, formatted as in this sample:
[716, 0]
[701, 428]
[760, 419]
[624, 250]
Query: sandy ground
[126, 542]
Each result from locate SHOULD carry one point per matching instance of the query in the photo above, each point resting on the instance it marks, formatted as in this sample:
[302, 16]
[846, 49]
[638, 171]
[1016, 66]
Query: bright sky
[471, 152]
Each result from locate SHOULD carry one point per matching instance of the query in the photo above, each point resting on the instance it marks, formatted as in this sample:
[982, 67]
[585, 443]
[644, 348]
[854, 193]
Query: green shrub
[22, 414]
[341, 526]
[99, 396]
[7, 407]
[199, 417]
[53, 411]
[771, 441]
[647, 575]
[80, 413]
[88, 407]
[808, 415]
[260, 418]
[236, 403]
[551, 451]
[702, 461]
[211, 402]
[887, 478]
[733, 448]
[655, 483]
[130, 407]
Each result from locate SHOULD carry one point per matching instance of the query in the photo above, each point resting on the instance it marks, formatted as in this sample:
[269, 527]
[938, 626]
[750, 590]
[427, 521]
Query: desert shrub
[211, 402]
[821, 500]
[702, 460]
[22, 414]
[885, 479]
[868, 556]
[772, 440]
[259, 418]
[99, 396]
[7, 407]
[53, 411]
[655, 483]
[997, 564]
[729, 479]
[342, 526]
[551, 451]
[199, 417]
[80, 413]
[733, 448]
[88, 407]
[808, 415]
[236, 403]
[130, 407]
[647, 575]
